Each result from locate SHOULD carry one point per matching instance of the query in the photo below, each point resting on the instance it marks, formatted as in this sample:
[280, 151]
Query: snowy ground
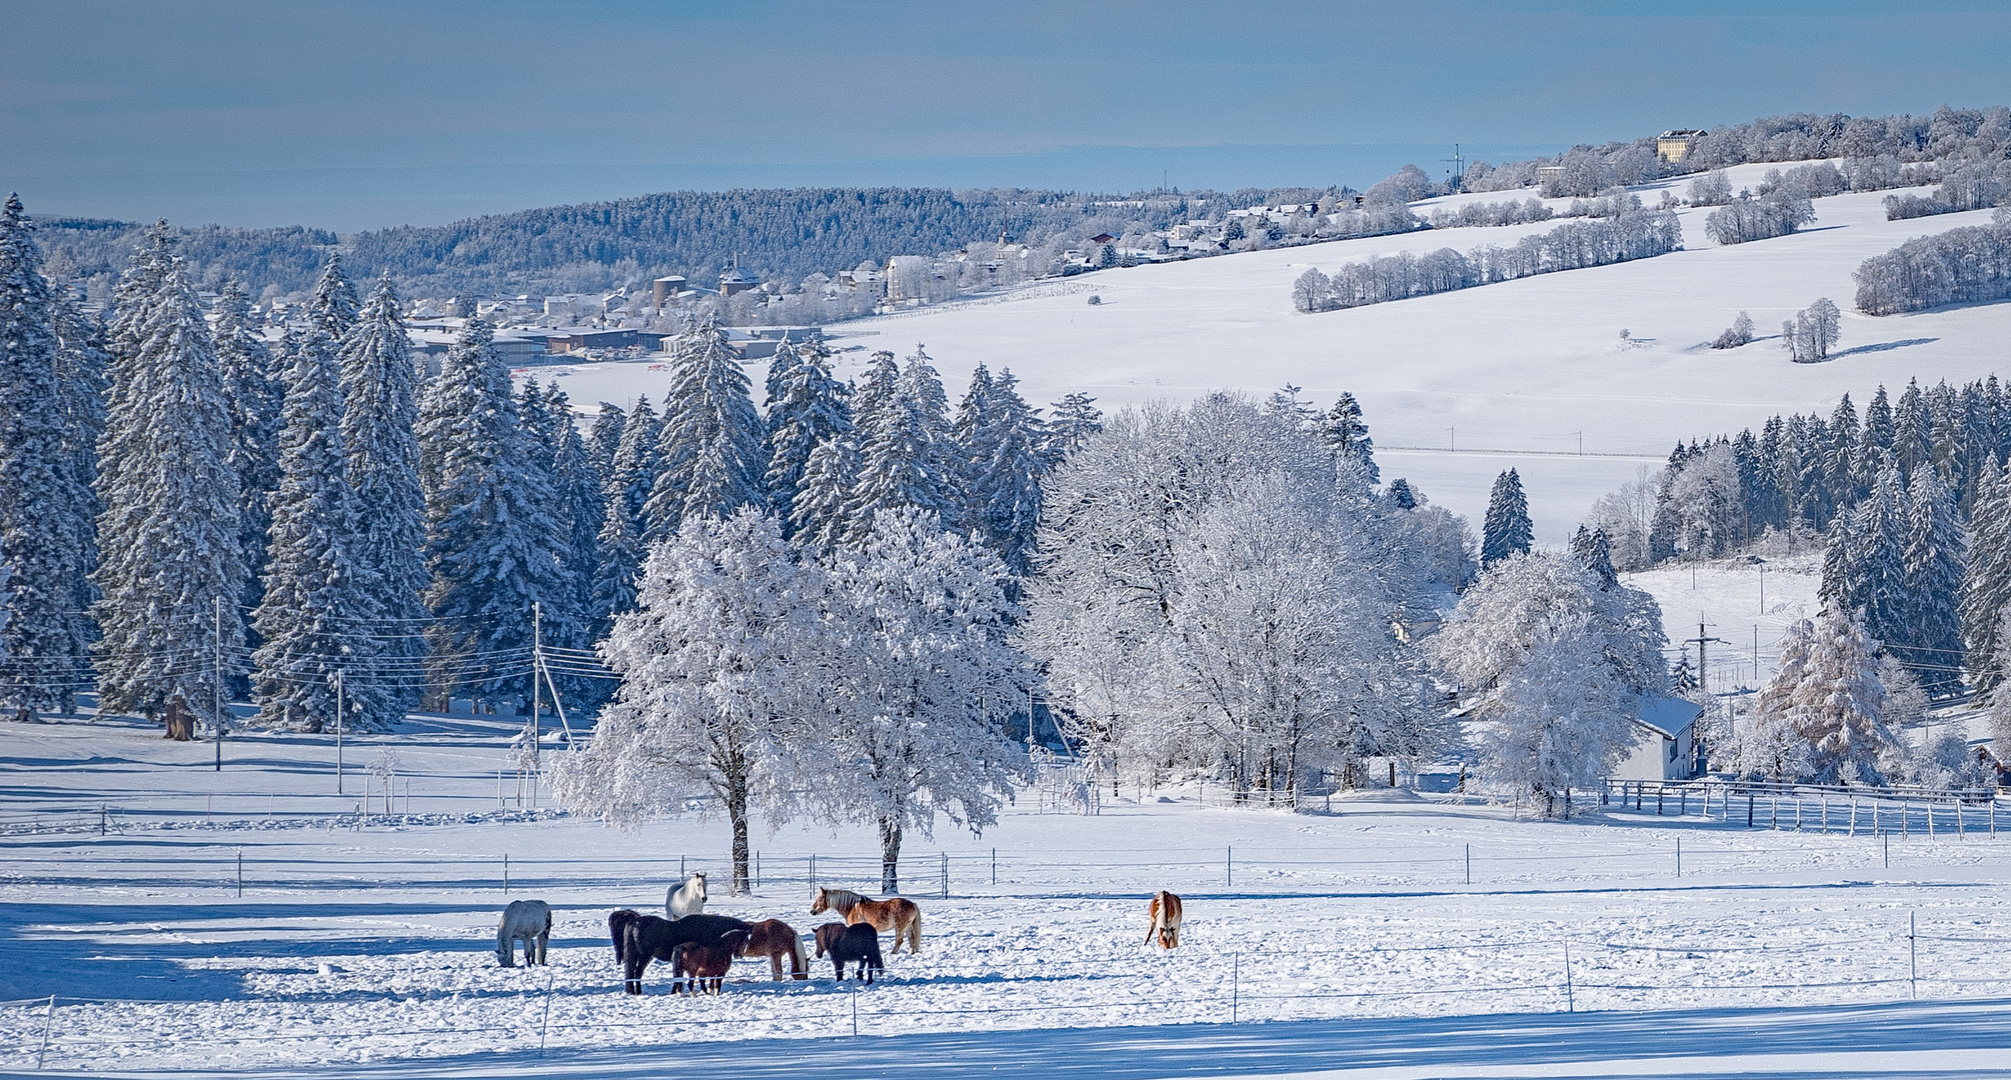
[1347, 941]
[1535, 367]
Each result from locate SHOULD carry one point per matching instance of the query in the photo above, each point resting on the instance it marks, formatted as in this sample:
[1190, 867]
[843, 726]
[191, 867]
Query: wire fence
[1536, 973]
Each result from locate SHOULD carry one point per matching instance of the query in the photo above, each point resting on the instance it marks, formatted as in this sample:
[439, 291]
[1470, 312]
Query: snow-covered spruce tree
[1827, 691]
[1986, 585]
[380, 415]
[1507, 529]
[320, 614]
[1935, 559]
[1002, 441]
[1864, 559]
[257, 396]
[921, 685]
[169, 531]
[1556, 661]
[619, 548]
[1347, 435]
[333, 309]
[806, 407]
[908, 453]
[604, 439]
[709, 450]
[578, 512]
[818, 517]
[880, 384]
[1075, 420]
[489, 538]
[33, 526]
[717, 669]
[80, 363]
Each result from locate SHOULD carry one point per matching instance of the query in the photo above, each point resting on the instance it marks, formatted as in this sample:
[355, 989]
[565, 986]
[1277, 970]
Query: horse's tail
[914, 930]
[799, 964]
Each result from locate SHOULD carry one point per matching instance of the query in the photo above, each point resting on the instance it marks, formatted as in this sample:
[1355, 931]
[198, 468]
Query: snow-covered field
[1390, 935]
[1535, 367]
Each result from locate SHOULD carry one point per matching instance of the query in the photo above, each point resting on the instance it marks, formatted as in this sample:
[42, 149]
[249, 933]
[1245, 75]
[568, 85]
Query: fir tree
[488, 533]
[604, 438]
[334, 308]
[257, 401]
[577, 508]
[1864, 559]
[81, 363]
[1344, 432]
[710, 445]
[1934, 570]
[1002, 440]
[819, 516]
[1507, 529]
[1828, 693]
[32, 480]
[1076, 420]
[807, 408]
[381, 443]
[1986, 587]
[169, 531]
[319, 616]
[1400, 494]
[619, 549]
[879, 385]
[908, 453]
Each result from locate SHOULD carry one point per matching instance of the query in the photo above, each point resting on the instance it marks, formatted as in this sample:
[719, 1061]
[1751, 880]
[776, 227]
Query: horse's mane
[843, 900]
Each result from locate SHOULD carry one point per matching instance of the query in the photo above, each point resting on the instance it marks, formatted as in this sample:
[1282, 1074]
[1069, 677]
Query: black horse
[648, 937]
[618, 923]
[857, 944]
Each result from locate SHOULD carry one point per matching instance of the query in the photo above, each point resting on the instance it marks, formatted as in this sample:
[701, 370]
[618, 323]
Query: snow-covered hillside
[1535, 367]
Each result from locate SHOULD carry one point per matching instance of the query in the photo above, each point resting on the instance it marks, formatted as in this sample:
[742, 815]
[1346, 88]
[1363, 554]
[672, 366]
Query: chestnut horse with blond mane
[776, 939]
[894, 913]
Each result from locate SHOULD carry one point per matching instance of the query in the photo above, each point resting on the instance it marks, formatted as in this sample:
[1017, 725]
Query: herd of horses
[700, 948]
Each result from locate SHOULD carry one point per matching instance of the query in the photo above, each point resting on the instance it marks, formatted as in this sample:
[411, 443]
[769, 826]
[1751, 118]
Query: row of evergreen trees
[1911, 500]
[316, 521]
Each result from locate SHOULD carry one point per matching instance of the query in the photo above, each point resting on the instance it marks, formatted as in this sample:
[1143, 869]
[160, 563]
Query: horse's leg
[543, 940]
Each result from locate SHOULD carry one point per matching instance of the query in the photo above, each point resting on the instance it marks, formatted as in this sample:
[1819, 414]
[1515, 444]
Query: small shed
[1665, 740]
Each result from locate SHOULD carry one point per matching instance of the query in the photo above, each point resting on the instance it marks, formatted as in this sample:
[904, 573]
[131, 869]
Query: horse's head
[698, 880]
[820, 903]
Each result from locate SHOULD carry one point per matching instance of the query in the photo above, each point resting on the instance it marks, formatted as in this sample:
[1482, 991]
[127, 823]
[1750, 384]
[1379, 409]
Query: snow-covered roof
[1669, 716]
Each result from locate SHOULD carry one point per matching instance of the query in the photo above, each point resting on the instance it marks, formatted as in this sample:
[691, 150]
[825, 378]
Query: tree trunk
[736, 811]
[181, 722]
[890, 856]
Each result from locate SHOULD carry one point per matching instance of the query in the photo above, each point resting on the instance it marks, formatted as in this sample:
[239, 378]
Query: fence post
[1749, 808]
[946, 874]
[1888, 849]
[104, 815]
[681, 876]
[813, 871]
[1679, 857]
[1570, 1000]
[1853, 815]
[855, 1010]
[47, 1023]
[1235, 984]
[1959, 834]
[995, 867]
[1824, 827]
[240, 873]
[1912, 956]
[1229, 867]
[506, 873]
[546, 1024]
[1930, 819]
[1993, 814]
[1469, 864]
[1904, 818]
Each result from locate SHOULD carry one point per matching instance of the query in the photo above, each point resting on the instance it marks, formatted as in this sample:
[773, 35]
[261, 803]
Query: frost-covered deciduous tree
[1312, 291]
[1713, 188]
[1708, 502]
[1811, 334]
[1555, 660]
[1776, 213]
[921, 678]
[1737, 334]
[717, 689]
[169, 531]
[1216, 596]
[1827, 691]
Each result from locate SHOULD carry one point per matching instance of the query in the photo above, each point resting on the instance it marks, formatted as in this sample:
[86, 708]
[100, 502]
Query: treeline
[1571, 246]
[1894, 493]
[1965, 265]
[1976, 186]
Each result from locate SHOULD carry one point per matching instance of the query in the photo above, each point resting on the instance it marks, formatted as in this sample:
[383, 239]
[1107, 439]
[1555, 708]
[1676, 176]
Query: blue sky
[352, 114]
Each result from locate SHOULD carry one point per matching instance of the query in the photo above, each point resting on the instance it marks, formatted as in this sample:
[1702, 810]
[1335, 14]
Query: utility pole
[1703, 673]
[537, 657]
[217, 675]
[338, 731]
[1763, 589]
[1458, 168]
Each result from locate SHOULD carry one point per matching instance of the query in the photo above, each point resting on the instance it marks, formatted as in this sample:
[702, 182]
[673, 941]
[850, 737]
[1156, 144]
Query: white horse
[528, 921]
[685, 899]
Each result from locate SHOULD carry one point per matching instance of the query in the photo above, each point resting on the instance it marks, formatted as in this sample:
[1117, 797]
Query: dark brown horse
[704, 967]
[857, 943]
[618, 923]
[776, 939]
[896, 914]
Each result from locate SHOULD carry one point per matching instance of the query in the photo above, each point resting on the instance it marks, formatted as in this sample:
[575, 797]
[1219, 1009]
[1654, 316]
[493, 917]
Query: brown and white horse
[776, 939]
[896, 914]
[1165, 912]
